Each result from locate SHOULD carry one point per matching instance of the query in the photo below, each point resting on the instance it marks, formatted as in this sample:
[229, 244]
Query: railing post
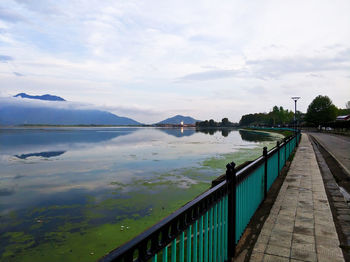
[289, 146]
[298, 141]
[265, 171]
[285, 150]
[231, 216]
[278, 157]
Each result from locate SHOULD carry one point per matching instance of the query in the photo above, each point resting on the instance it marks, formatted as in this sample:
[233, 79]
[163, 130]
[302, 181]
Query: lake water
[73, 194]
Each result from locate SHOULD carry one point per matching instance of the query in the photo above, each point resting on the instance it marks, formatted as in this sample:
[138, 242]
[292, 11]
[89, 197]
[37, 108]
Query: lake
[73, 194]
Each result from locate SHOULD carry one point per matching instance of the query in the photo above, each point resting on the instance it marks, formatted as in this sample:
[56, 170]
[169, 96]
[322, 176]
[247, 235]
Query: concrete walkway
[300, 226]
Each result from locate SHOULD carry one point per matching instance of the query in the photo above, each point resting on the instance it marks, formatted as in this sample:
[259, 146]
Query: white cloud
[144, 59]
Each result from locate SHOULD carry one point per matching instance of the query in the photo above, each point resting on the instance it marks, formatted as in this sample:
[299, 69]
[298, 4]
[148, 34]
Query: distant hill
[176, 120]
[17, 115]
[21, 112]
[46, 97]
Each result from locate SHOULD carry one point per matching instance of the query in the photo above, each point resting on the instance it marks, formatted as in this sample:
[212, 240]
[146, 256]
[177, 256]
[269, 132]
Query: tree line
[320, 111]
[278, 116]
[213, 124]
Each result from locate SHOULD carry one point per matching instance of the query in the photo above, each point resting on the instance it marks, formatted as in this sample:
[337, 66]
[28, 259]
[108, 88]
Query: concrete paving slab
[256, 257]
[278, 251]
[272, 258]
[300, 226]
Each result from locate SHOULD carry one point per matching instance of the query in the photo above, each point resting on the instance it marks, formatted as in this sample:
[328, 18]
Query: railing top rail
[244, 172]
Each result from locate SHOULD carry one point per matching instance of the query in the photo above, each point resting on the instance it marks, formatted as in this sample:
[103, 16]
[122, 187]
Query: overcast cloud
[149, 60]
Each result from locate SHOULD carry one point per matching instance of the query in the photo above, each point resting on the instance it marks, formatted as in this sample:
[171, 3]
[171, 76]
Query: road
[338, 146]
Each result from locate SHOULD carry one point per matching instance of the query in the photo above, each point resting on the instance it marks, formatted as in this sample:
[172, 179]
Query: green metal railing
[193, 243]
[249, 195]
[209, 227]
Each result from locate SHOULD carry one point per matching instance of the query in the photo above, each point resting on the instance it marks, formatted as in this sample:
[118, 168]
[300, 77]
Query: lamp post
[295, 98]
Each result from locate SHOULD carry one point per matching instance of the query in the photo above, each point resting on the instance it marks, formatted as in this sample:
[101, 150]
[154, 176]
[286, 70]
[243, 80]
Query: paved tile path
[300, 226]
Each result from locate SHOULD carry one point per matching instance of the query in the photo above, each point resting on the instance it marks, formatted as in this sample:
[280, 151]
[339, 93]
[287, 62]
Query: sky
[150, 60]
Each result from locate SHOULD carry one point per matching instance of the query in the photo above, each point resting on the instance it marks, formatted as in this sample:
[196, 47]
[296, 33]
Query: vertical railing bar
[241, 205]
[189, 246]
[239, 213]
[165, 254]
[285, 151]
[154, 258]
[241, 210]
[278, 157]
[200, 255]
[222, 228]
[182, 247]
[245, 199]
[246, 203]
[215, 242]
[195, 236]
[206, 238]
[210, 247]
[290, 143]
[219, 231]
[265, 171]
[173, 251]
[164, 240]
[231, 210]
[226, 228]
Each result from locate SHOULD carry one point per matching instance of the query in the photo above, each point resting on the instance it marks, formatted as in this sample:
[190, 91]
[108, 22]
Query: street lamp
[295, 98]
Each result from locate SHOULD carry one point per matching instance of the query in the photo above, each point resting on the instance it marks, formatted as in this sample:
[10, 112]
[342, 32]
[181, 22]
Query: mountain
[176, 120]
[46, 97]
[57, 111]
[20, 115]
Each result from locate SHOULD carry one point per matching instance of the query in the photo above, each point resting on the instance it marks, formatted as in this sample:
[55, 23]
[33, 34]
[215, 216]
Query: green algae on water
[219, 162]
[90, 243]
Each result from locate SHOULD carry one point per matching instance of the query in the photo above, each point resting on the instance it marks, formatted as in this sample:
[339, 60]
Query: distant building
[343, 118]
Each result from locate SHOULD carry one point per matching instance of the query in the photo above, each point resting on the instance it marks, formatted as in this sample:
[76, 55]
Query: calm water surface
[74, 194]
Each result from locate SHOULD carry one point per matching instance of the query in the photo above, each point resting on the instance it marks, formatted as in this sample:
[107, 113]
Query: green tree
[225, 122]
[275, 115]
[212, 123]
[343, 111]
[321, 110]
